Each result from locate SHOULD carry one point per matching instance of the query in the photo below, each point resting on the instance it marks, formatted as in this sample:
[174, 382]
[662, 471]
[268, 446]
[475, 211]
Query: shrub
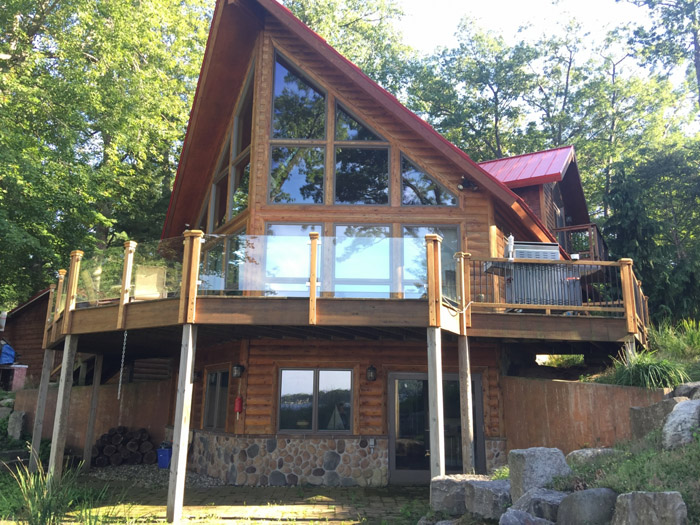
[645, 370]
[501, 473]
[564, 360]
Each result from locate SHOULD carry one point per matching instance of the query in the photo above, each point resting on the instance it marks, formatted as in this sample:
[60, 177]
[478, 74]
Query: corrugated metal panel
[531, 169]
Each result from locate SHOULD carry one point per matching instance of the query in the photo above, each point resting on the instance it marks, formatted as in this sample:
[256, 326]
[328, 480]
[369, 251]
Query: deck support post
[94, 399]
[435, 403]
[183, 405]
[40, 408]
[465, 405]
[60, 422]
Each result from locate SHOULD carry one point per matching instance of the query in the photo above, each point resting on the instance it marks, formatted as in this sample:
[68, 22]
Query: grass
[644, 466]
[564, 360]
[646, 370]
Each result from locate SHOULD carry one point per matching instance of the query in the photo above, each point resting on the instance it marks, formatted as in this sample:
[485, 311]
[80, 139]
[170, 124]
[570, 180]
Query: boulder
[587, 455]
[588, 507]
[7, 403]
[5, 412]
[519, 517]
[447, 493]
[689, 390]
[487, 499]
[541, 503]
[680, 424]
[646, 419]
[650, 508]
[15, 424]
[533, 468]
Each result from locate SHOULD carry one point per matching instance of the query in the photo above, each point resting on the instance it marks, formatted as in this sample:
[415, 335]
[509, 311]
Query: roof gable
[532, 168]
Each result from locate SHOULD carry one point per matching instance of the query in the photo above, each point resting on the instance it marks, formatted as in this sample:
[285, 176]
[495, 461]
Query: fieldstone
[271, 445]
[7, 403]
[263, 481]
[487, 499]
[348, 482]
[447, 493]
[280, 463]
[15, 424]
[277, 479]
[587, 455]
[689, 390]
[680, 424]
[520, 517]
[534, 468]
[253, 450]
[331, 479]
[340, 446]
[250, 470]
[5, 412]
[646, 419]
[318, 472]
[331, 459]
[292, 479]
[588, 507]
[650, 508]
[541, 503]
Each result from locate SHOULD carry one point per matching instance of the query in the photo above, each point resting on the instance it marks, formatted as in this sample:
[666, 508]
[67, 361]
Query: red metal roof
[531, 169]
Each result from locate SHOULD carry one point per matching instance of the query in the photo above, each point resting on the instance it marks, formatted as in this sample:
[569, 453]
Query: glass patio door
[409, 426]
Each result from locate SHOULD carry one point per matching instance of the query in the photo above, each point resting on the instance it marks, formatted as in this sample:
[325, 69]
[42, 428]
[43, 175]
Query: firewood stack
[122, 446]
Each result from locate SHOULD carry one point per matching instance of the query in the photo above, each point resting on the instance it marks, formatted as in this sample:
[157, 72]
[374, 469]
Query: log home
[354, 285]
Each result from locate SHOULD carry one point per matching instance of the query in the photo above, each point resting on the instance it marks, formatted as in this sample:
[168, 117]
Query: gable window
[297, 175]
[215, 400]
[299, 108]
[420, 189]
[361, 176]
[315, 400]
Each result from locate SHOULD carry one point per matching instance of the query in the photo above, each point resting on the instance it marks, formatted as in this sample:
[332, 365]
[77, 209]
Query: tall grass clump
[681, 341]
[645, 370]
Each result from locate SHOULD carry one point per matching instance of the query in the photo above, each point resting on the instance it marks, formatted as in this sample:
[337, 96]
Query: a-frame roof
[235, 25]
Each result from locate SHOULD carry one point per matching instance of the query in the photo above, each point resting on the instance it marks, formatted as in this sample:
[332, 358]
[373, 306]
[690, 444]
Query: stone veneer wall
[259, 461]
[496, 453]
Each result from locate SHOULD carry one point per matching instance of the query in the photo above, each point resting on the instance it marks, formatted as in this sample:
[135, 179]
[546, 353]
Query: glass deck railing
[368, 265]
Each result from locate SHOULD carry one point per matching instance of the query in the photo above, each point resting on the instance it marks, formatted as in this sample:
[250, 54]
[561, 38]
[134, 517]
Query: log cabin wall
[265, 357]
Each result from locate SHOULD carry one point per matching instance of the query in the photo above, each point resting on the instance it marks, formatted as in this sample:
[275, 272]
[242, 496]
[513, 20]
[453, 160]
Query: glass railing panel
[157, 269]
[99, 280]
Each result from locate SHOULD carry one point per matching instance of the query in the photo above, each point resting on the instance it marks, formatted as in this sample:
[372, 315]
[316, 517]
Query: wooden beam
[129, 248]
[435, 403]
[40, 408]
[312, 277]
[90, 431]
[73, 273]
[60, 422]
[47, 321]
[627, 283]
[183, 406]
[465, 405]
[432, 245]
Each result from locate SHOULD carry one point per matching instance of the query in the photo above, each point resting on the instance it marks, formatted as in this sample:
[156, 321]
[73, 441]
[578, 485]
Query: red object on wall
[238, 405]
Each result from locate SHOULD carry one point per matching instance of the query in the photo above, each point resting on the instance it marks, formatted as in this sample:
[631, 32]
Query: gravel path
[148, 476]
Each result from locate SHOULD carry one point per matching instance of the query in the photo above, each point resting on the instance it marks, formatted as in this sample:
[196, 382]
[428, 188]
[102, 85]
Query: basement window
[315, 400]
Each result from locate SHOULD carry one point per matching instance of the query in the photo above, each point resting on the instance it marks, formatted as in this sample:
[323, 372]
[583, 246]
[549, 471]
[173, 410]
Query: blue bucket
[164, 455]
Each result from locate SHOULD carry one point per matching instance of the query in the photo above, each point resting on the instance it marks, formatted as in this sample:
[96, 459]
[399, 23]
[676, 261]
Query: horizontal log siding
[267, 356]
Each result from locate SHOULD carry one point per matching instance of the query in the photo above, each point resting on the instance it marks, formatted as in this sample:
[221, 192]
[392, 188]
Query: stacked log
[123, 446]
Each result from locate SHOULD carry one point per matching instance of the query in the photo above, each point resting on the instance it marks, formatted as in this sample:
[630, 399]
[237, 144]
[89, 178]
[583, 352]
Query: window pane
[361, 176]
[299, 108]
[235, 263]
[211, 273]
[245, 121]
[414, 258]
[221, 404]
[419, 189]
[334, 400]
[210, 400]
[362, 261]
[239, 202]
[288, 259]
[296, 175]
[221, 195]
[347, 128]
[296, 399]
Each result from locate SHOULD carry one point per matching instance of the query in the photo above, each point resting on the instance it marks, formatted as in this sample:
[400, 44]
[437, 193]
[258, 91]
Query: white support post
[60, 422]
[465, 405]
[40, 408]
[90, 432]
[435, 402]
[178, 463]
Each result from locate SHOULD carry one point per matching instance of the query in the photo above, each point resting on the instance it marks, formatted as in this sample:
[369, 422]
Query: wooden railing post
[49, 309]
[627, 283]
[190, 275]
[72, 289]
[58, 301]
[463, 278]
[129, 249]
[433, 243]
[312, 277]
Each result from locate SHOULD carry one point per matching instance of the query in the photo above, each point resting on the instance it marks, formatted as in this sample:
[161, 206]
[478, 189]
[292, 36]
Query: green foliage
[6, 442]
[501, 473]
[645, 370]
[644, 466]
[564, 360]
[680, 341]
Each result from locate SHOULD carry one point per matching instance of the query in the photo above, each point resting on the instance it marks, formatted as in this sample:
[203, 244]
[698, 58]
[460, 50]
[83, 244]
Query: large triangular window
[420, 189]
[348, 128]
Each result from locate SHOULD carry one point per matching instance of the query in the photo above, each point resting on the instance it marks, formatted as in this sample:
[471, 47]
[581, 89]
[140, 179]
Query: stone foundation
[496, 456]
[277, 461]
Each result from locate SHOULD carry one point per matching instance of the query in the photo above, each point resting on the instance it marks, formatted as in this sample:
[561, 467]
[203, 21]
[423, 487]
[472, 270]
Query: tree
[94, 98]
[674, 35]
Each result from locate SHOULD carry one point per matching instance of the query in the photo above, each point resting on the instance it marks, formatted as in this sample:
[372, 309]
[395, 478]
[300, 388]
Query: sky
[432, 23]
